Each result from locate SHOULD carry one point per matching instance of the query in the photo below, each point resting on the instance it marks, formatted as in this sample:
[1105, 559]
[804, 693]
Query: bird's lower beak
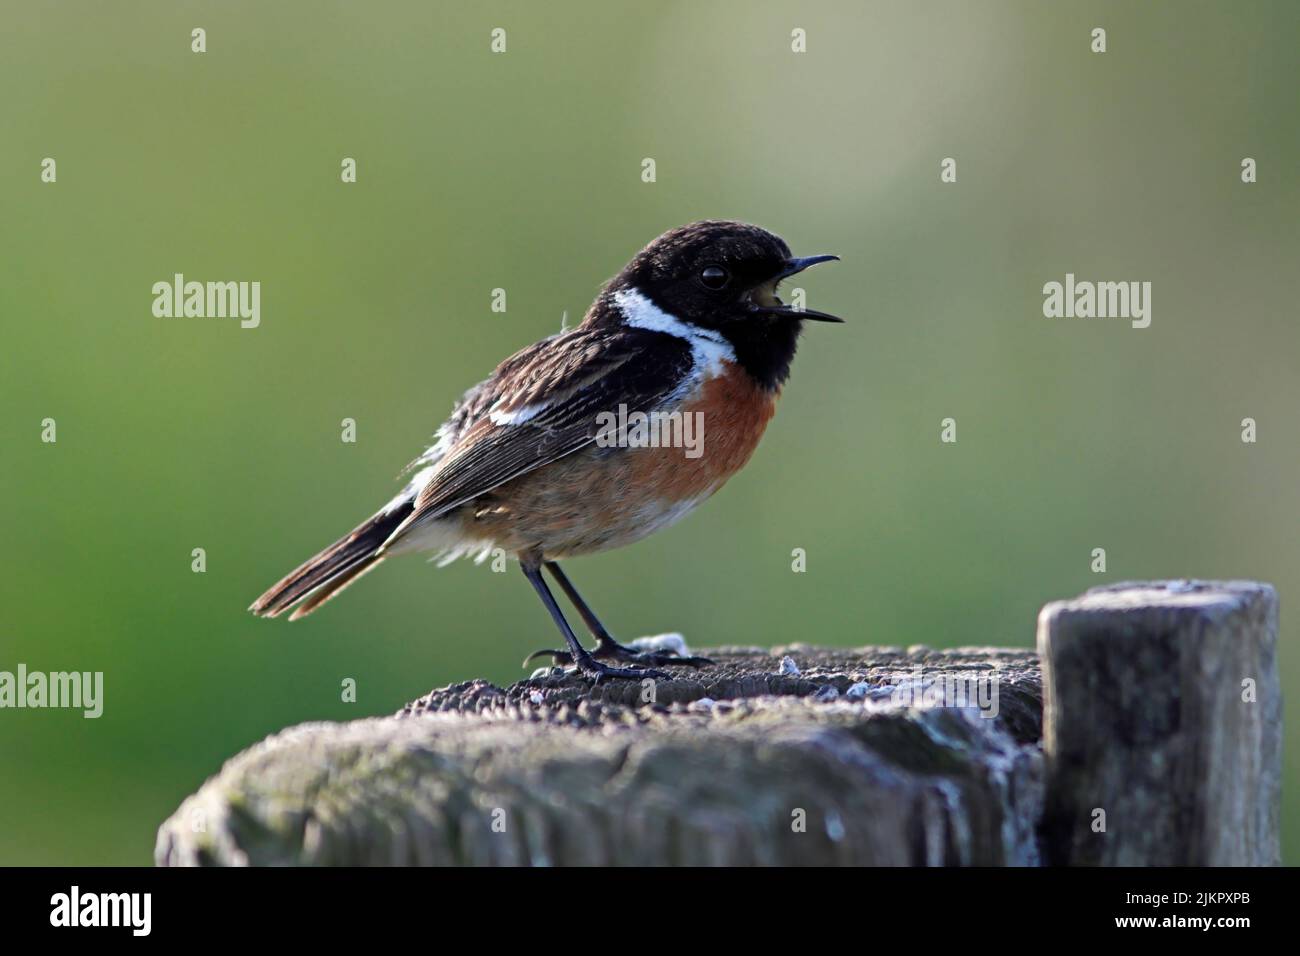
[774, 306]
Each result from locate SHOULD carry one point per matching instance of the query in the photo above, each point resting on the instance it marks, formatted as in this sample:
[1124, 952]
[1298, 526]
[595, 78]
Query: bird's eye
[715, 278]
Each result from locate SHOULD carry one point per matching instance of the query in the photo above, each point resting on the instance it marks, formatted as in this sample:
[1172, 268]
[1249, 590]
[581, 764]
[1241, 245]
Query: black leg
[577, 653]
[606, 646]
[602, 636]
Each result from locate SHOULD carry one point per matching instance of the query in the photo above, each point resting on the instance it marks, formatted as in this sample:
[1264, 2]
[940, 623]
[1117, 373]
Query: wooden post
[1162, 725]
[798, 755]
[1152, 736]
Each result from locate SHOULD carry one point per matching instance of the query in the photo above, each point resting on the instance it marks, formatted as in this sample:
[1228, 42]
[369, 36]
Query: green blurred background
[522, 171]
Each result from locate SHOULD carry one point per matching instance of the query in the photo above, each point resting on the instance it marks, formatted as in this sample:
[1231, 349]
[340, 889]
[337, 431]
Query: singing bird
[528, 462]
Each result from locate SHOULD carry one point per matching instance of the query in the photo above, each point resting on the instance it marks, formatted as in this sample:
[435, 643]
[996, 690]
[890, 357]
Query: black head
[723, 276]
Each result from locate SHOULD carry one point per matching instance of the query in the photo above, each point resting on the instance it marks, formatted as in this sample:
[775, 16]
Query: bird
[548, 458]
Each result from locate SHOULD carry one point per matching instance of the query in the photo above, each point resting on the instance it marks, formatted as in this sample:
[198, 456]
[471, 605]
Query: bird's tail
[319, 578]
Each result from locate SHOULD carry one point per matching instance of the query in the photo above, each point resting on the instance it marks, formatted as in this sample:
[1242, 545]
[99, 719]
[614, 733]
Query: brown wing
[542, 404]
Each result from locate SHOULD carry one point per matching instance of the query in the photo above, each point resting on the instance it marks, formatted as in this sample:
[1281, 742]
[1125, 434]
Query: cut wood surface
[1164, 724]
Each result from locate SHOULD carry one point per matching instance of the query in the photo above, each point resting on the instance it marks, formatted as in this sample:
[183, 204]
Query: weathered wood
[804, 755]
[745, 763]
[1162, 723]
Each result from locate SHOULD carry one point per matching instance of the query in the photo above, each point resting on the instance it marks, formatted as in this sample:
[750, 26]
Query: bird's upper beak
[767, 302]
[796, 264]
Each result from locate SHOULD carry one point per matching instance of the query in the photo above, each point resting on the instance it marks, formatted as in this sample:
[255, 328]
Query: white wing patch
[518, 416]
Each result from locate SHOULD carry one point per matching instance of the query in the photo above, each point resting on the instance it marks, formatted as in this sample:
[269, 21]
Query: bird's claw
[597, 672]
[614, 651]
[559, 658]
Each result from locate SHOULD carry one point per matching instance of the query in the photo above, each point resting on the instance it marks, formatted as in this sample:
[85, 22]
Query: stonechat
[560, 452]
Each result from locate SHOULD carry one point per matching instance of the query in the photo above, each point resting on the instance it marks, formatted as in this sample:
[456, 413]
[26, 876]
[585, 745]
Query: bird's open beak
[769, 304]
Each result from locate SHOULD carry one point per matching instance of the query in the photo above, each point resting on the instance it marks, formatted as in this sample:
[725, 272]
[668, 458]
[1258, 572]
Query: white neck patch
[709, 348]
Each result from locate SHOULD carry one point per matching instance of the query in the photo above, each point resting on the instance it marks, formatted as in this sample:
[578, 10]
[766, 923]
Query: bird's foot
[664, 654]
[598, 672]
[610, 649]
[656, 658]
